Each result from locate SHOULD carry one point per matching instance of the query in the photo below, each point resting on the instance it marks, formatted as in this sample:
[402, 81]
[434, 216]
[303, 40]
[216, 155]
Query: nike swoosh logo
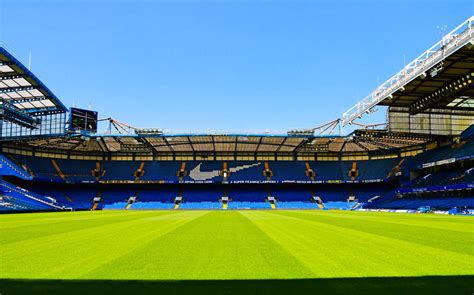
[238, 168]
[197, 174]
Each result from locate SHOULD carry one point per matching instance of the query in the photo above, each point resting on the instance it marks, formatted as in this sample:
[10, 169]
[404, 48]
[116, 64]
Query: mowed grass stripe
[70, 222]
[15, 221]
[433, 237]
[201, 245]
[333, 251]
[463, 224]
[219, 245]
[72, 254]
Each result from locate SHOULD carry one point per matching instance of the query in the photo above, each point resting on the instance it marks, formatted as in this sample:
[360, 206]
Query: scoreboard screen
[83, 120]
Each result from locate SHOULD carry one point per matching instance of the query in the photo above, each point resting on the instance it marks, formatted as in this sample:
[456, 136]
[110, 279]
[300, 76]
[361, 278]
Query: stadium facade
[53, 158]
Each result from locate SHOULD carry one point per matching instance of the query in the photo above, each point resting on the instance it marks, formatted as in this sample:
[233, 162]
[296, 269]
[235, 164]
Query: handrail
[22, 172]
[27, 194]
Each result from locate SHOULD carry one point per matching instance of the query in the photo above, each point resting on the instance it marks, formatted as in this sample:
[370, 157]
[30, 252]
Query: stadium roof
[22, 89]
[440, 78]
[359, 141]
[457, 66]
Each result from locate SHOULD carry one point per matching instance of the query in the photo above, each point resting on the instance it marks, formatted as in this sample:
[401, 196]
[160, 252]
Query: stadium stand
[87, 184]
[9, 168]
[205, 196]
[77, 171]
[422, 156]
[441, 178]
[16, 198]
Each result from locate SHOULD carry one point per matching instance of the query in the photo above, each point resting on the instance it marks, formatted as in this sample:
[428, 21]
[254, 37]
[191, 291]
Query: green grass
[264, 249]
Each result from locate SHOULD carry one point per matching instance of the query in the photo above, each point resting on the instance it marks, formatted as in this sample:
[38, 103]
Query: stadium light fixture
[436, 70]
[301, 132]
[148, 131]
[451, 90]
[371, 110]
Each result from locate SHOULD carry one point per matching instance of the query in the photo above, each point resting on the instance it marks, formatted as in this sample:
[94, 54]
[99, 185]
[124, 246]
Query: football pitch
[236, 252]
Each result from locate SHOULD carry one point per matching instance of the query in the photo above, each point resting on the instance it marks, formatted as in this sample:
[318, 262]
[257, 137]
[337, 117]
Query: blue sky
[221, 66]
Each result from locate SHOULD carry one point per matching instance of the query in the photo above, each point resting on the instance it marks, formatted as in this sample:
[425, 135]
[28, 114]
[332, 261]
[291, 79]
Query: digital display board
[83, 120]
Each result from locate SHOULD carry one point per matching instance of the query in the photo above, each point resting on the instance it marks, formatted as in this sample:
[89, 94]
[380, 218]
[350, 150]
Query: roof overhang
[444, 64]
[363, 141]
[22, 90]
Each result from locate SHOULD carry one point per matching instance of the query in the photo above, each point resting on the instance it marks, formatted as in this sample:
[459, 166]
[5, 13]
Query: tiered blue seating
[160, 170]
[200, 205]
[8, 168]
[297, 205]
[115, 205]
[16, 198]
[456, 151]
[446, 179]
[285, 171]
[10, 203]
[120, 170]
[376, 169]
[77, 171]
[247, 186]
[42, 168]
[339, 205]
[152, 205]
[80, 196]
[436, 203]
[248, 205]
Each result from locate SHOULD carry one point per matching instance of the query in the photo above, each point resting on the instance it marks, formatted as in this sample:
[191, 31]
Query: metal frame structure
[27, 107]
[20, 87]
[449, 44]
[360, 143]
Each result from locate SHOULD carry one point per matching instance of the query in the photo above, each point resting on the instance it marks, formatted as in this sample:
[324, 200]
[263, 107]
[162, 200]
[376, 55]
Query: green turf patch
[283, 248]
